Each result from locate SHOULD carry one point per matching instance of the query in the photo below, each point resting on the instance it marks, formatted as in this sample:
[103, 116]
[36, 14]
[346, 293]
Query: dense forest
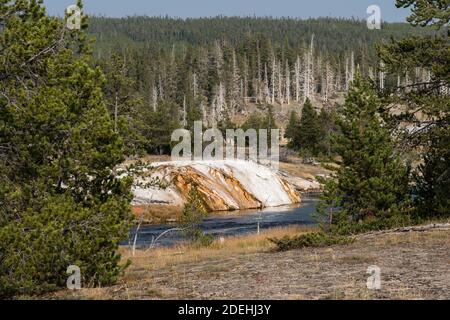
[212, 69]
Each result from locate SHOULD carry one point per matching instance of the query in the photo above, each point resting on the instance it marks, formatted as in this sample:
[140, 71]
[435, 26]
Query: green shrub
[193, 214]
[343, 227]
[202, 240]
[37, 250]
[315, 239]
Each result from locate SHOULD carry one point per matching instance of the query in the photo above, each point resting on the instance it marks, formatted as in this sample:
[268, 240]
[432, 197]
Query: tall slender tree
[372, 184]
[309, 130]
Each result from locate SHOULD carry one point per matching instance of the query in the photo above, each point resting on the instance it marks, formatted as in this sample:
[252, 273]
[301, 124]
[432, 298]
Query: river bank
[225, 186]
[230, 224]
[414, 265]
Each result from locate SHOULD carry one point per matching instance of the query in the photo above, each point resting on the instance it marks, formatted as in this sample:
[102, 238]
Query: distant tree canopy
[211, 69]
[312, 133]
[333, 34]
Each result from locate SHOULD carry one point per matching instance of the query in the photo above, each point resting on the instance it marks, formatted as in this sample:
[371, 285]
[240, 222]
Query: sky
[208, 8]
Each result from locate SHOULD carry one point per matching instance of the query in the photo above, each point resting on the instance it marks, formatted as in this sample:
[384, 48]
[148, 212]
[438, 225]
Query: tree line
[213, 69]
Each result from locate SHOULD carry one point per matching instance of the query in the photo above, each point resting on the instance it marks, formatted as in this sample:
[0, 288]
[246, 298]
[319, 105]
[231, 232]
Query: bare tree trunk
[297, 80]
[280, 83]
[195, 85]
[273, 80]
[266, 85]
[347, 75]
[155, 99]
[382, 75]
[184, 113]
[116, 111]
[258, 88]
[288, 83]
[352, 67]
[311, 69]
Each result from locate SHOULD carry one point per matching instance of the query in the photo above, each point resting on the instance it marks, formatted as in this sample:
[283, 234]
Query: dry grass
[412, 238]
[157, 213]
[301, 170]
[414, 266]
[138, 284]
[150, 159]
[232, 246]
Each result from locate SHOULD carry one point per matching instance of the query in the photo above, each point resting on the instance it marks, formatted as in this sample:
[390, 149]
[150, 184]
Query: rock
[224, 185]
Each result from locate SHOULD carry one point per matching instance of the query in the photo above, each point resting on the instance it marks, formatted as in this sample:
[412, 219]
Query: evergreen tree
[159, 127]
[60, 201]
[371, 185]
[425, 100]
[309, 131]
[292, 130]
[269, 123]
[327, 121]
[193, 214]
[194, 113]
[264, 121]
[224, 124]
[433, 177]
[124, 103]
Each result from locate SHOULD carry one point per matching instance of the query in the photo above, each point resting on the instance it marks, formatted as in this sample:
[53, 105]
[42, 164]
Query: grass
[137, 284]
[304, 171]
[186, 253]
[157, 214]
[337, 272]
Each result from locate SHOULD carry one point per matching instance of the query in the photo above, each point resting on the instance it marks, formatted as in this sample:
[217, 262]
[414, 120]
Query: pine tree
[292, 130]
[125, 106]
[193, 214]
[309, 130]
[433, 177]
[430, 96]
[371, 185]
[61, 203]
[329, 128]
[159, 127]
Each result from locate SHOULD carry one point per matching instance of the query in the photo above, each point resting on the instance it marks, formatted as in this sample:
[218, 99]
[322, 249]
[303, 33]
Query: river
[232, 224]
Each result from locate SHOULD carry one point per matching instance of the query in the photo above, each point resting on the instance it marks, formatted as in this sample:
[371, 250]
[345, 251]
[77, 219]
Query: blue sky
[202, 8]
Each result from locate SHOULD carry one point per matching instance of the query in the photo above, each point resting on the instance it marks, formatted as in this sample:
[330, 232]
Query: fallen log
[429, 227]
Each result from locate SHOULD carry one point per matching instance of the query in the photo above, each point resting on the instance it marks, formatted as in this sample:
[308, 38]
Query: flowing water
[232, 223]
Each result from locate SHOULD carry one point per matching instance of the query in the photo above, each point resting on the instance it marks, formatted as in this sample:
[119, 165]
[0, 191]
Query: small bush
[202, 240]
[344, 227]
[193, 214]
[315, 239]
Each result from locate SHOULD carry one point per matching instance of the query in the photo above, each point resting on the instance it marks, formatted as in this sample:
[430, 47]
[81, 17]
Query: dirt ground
[413, 265]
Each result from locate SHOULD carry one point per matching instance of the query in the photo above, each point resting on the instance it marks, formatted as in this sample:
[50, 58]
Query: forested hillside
[332, 34]
[212, 69]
